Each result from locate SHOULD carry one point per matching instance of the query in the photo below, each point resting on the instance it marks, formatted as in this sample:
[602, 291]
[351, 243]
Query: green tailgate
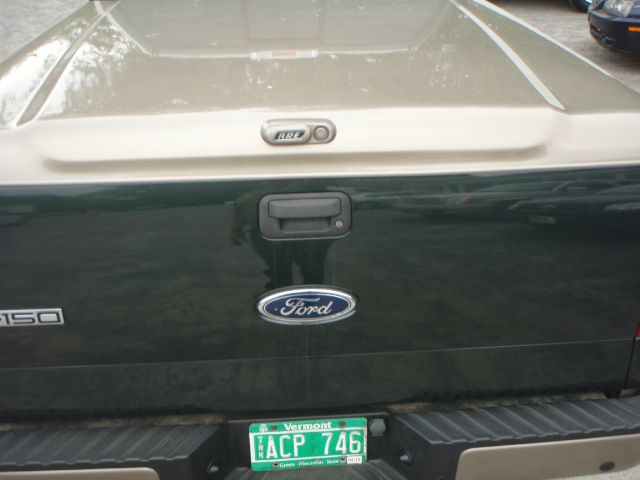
[458, 295]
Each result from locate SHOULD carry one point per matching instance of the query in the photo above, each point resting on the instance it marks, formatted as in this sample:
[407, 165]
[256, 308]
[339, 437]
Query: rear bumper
[506, 442]
[613, 32]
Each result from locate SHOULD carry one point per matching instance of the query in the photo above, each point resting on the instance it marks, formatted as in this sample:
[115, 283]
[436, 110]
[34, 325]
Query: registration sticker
[308, 443]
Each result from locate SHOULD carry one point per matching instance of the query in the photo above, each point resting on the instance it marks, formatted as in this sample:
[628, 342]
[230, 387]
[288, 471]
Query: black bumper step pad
[175, 452]
[527, 422]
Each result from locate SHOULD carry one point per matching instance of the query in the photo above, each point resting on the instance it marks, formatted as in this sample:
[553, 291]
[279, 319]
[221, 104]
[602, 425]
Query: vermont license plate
[308, 443]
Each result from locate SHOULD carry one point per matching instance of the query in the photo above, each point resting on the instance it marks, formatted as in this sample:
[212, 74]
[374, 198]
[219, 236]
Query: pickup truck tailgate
[158, 285]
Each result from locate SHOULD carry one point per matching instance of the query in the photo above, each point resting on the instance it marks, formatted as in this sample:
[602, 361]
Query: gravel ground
[22, 20]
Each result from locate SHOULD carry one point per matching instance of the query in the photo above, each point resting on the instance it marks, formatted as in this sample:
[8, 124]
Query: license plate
[308, 443]
[542, 219]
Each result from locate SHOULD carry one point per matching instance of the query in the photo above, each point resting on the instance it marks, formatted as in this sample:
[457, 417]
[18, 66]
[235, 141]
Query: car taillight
[638, 332]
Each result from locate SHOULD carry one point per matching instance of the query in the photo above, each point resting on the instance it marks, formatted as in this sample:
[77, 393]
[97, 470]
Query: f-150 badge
[43, 317]
[306, 305]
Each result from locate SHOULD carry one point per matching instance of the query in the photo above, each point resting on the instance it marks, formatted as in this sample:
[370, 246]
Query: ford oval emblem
[306, 305]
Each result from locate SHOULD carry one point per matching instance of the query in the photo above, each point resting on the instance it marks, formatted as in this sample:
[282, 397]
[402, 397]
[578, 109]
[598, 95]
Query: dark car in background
[615, 24]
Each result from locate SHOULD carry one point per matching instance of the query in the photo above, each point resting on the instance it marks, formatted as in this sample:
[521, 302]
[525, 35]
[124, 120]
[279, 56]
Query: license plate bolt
[377, 427]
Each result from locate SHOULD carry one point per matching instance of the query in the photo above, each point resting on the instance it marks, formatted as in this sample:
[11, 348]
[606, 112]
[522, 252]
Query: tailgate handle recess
[304, 215]
[305, 208]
